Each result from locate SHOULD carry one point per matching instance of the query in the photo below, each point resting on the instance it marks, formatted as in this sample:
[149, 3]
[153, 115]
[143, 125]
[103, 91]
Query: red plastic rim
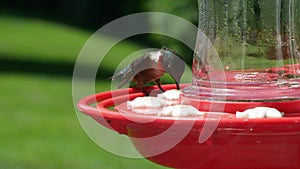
[106, 100]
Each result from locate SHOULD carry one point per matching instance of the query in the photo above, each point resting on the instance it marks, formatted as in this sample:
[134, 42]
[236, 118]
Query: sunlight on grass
[25, 38]
[40, 40]
[39, 128]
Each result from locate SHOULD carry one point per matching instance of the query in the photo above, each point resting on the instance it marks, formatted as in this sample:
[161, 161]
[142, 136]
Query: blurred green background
[39, 43]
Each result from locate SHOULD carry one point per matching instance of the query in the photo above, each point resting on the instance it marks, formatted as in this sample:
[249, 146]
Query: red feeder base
[234, 144]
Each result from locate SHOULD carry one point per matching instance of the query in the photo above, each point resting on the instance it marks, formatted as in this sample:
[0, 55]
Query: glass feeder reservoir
[250, 54]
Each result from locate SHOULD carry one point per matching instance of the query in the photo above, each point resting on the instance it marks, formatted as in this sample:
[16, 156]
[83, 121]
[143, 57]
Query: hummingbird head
[173, 64]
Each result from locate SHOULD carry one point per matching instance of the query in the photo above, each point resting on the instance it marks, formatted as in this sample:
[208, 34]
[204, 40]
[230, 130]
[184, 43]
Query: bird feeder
[250, 59]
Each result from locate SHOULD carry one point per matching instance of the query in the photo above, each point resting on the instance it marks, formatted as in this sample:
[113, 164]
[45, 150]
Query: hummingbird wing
[149, 60]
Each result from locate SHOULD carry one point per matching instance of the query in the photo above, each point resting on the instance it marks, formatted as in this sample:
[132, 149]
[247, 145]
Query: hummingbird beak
[176, 72]
[177, 81]
[174, 66]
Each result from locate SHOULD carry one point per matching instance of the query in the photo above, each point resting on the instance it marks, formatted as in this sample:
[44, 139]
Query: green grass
[45, 41]
[39, 126]
[27, 38]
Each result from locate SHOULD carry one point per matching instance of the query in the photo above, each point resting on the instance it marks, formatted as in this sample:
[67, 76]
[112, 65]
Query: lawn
[39, 126]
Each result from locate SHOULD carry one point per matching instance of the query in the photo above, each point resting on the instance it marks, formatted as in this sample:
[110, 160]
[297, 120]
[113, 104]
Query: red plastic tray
[234, 144]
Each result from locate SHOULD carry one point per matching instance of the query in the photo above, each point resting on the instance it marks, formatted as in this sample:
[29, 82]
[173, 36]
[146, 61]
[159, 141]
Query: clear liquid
[253, 50]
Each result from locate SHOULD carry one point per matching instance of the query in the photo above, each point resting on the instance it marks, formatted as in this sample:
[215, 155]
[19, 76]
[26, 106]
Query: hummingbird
[151, 67]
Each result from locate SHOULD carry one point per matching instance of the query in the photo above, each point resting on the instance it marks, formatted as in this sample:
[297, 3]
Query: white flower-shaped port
[259, 112]
[170, 94]
[146, 102]
[180, 111]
